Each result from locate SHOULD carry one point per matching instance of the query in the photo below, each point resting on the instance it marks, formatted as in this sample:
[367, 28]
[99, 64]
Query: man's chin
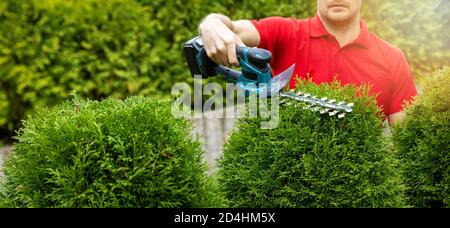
[338, 17]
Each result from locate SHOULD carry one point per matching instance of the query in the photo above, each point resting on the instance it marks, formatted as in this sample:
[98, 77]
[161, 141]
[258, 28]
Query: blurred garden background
[121, 48]
[115, 153]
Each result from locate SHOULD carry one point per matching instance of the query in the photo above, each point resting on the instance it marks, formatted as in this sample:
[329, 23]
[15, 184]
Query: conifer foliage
[313, 160]
[423, 143]
[113, 153]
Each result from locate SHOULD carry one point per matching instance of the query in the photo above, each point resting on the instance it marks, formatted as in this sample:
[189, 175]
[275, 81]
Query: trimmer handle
[257, 57]
[254, 63]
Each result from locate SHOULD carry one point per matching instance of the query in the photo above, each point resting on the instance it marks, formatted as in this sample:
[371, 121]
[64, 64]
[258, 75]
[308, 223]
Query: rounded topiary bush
[313, 160]
[423, 143]
[113, 153]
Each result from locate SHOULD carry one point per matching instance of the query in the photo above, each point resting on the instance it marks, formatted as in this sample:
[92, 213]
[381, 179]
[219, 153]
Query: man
[335, 44]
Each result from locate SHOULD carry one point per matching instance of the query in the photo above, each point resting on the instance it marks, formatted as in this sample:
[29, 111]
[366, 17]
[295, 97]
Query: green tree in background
[50, 48]
[416, 27]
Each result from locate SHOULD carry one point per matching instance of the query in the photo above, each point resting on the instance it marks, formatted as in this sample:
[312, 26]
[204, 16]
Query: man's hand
[220, 36]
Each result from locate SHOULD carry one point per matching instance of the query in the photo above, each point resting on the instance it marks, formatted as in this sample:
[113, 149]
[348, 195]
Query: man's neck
[344, 33]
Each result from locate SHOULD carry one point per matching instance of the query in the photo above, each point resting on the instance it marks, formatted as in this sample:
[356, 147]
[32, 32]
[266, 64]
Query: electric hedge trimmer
[256, 76]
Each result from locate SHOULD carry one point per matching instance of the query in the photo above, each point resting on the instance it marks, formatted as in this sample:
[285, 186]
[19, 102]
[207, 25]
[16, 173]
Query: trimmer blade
[277, 83]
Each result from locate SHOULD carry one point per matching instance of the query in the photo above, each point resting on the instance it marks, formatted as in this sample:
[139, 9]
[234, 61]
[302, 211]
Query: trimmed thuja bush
[113, 153]
[313, 160]
[423, 143]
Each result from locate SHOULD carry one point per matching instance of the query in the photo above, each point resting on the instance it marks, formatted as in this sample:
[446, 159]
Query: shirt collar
[364, 36]
[318, 30]
[317, 27]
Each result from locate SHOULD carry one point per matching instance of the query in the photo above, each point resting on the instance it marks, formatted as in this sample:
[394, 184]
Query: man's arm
[396, 117]
[220, 36]
[402, 88]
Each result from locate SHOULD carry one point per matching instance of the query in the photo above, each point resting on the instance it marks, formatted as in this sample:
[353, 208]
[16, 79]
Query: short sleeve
[403, 88]
[276, 33]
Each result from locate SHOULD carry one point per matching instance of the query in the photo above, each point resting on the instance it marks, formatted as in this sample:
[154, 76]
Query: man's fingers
[230, 44]
[219, 55]
[210, 49]
[232, 58]
[212, 53]
[222, 50]
[224, 59]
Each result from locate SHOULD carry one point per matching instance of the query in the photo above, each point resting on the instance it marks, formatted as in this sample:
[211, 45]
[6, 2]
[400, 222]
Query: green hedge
[118, 48]
[312, 160]
[102, 48]
[98, 48]
[423, 142]
[113, 153]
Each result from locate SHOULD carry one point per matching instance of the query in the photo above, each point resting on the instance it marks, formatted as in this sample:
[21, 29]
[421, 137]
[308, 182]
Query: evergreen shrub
[423, 143]
[312, 160]
[113, 153]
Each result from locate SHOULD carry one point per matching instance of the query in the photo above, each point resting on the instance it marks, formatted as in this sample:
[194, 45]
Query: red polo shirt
[317, 53]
